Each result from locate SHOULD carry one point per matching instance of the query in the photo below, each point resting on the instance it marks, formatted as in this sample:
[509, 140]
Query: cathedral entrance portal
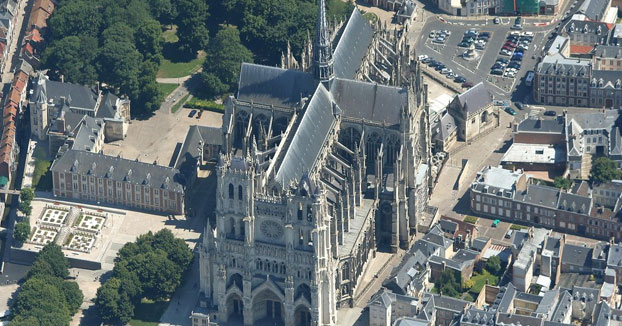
[235, 308]
[303, 316]
[267, 309]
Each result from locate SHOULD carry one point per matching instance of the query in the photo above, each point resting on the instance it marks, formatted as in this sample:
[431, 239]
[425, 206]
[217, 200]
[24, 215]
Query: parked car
[505, 52]
[518, 21]
[504, 60]
[518, 27]
[446, 32]
[464, 44]
[497, 20]
[519, 105]
[440, 67]
[439, 39]
[467, 85]
[496, 66]
[480, 46]
[422, 57]
[514, 65]
[192, 113]
[497, 72]
[509, 234]
[432, 34]
[510, 110]
[550, 113]
[459, 79]
[433, 63]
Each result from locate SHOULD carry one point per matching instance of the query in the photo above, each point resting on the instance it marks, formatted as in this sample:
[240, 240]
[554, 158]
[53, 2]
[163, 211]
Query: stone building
[474, 112]
[57, 111]
[318, 171]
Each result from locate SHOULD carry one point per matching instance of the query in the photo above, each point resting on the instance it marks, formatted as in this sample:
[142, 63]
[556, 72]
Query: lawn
[179, 103]
[41, 177]
[518, 227]
[148, 313]
[166, 89]
[170, 35]
[175, 69]
[479, 280]
[470, 219]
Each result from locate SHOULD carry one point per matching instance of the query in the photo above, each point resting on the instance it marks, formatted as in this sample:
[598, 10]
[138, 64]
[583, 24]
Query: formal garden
[54, 216]
[89, 222]
[80, 241]
[43, 236]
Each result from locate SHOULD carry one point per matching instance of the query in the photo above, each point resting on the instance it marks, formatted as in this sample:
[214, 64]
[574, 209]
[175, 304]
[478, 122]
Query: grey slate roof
[547, 304]
[564, 307]
[504, 299]
[577, 255]
[474, 316]
[475, 98]
[557, 64]
[309, 137]
[445, 127]
[579, 293]
[274, 86]
[405, 273]
[593, 9]
[76, 96]
[107, 107]
[540, 195]
[189, 154]
[600, 29]
[479, 243]
[352, 47]
[87, 134]
[118, 169]
[366, 101]
[554, 126]
[575, 203]
[515, 319]
[608, 78]
[608, 51]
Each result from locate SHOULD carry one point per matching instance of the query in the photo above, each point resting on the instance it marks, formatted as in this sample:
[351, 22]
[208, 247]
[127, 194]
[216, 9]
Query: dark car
[550, 113]
[498, 72]
[467, 85]
[440, 67]
[426, 60]
[487, 34]
[192, 113]
[459, 79]
[433, 63]
[496, 66]
[504, 60]
[464, 44]
[483, 37]
[519, 105]
[514, 65]
[518, 21]
[517, 58]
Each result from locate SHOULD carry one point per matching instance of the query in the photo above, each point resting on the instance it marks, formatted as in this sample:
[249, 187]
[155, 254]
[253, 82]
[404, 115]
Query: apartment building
[511, 196]
[106, 179]
[562, 81]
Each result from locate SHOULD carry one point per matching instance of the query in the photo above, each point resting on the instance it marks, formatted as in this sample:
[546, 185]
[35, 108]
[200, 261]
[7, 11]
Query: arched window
[275, 267]
[240, 192]
[242, 229]
[259, 264]
[266, 266]
[231, 191]
[283, 269]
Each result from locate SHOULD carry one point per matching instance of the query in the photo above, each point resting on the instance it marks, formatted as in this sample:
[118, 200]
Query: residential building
[385, 307]
[594, 10]
[608, 194]
[468, 8]
[551, 257]
[474, 112]
[608, 57]
[510, 195]
[95, 177]
[562, 81]
[577, 259]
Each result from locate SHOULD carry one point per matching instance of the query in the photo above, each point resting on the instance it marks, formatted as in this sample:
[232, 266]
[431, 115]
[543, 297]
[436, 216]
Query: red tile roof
[581, 49]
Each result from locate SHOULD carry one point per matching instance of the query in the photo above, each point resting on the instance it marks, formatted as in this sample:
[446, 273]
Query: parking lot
[478, 67]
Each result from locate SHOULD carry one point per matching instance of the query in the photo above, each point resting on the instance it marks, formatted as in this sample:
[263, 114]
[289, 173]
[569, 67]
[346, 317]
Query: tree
[73, 296]
[468, 284]
[447, 284]
[112, 306]
[191, 26]
[42, 300]
[561, 182]
[26, 194]
[224, 56]
[22, 231]
[493, 265]
[53, 255]
[76, 17]
[604, 170]
[149, 40]
[25, 208]
[73, 57]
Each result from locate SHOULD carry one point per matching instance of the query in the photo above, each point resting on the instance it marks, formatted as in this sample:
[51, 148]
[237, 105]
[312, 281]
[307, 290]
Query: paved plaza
[156, 139]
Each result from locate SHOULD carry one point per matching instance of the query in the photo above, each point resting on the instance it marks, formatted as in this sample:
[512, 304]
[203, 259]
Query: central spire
[323, 54]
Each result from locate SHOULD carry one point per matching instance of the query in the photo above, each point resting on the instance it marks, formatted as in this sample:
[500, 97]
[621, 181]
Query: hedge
[470, 219]
[196, 103]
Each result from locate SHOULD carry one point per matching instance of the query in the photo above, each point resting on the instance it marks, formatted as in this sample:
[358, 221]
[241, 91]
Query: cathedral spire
[323, 50]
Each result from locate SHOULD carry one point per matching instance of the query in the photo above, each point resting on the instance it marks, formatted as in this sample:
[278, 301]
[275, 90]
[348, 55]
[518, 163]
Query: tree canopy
[22, 231]
[46, 298]
[225, 54]
[604, 170]
[151, 267]
[448, 284]
[561, 182]
[493, 265]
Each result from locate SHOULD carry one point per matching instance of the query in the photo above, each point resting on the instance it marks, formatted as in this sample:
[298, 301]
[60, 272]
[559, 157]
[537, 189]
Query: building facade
[315, 175]
[99, 178]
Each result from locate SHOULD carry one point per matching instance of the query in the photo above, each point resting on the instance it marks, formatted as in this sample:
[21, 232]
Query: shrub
[196, 103]
[22, 231]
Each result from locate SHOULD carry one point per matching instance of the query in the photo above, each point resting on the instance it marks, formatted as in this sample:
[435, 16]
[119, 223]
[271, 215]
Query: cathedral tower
[323, 50]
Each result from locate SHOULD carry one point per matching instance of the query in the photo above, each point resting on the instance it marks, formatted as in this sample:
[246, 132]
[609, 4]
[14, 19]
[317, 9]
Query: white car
[422, 57]
[432, 34]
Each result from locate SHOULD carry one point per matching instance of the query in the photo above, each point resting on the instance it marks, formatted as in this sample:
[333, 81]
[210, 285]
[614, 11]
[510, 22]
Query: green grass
[41, 177]
[479, 280]
[78, 220]
[148, 313]
[471, 219]
[518, 227]
[179, 103]
[170, 35]
[170, 69]
[166, 89]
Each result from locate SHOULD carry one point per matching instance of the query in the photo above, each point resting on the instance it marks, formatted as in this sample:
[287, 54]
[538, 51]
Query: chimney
[62, 78]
